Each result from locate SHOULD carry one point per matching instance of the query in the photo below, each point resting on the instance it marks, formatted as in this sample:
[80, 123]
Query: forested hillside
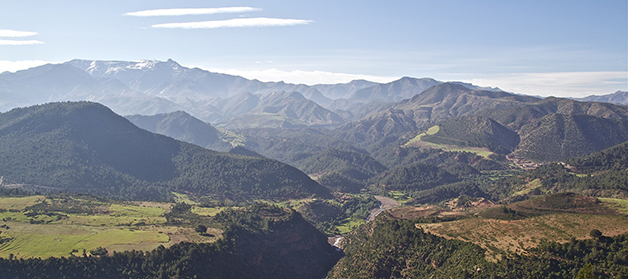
[184, 127]
[398, 249]
[85, 147]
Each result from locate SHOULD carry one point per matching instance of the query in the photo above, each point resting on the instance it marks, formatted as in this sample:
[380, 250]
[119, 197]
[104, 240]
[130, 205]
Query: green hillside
[182, 126]
[615, 157]
[85, 147]
[474, 131]
[516, 117]
[414, 177]
[600, 174]
[560, 136]
[353, 164]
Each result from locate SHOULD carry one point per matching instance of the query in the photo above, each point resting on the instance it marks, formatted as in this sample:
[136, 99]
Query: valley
[411, 179]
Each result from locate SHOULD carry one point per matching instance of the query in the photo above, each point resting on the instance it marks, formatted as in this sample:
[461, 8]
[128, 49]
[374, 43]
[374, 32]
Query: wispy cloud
[238, 22]
[5, 33]
[14, 33]
[192, 11]
[19, 43]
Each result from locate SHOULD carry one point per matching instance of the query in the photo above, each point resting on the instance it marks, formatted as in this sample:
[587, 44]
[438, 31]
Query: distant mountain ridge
[284, 109]
[619, 97]
[149, 87]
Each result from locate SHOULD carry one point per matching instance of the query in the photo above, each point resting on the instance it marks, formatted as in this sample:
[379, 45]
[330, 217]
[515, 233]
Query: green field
[39, 226]
[618, 204]
[431, 131]
[529, 187]
[400, 196]
[19, 203]
[417, 141]
[183, 198]
[207, 211]
[349, 225]
[37, 240]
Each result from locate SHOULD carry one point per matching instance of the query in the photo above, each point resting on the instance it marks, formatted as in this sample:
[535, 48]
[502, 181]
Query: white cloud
[239, 22]
[302, 77]
[13, 33]
[559, 84]
[13, 66]
[191, 11]
[19, 43]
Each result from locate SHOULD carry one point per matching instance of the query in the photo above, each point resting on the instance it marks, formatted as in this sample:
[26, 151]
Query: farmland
[39, 226]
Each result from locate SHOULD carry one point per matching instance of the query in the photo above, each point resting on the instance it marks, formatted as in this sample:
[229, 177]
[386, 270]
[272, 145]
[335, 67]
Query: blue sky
[560, 48]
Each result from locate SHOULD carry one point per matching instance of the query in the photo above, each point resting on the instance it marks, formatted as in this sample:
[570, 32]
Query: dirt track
[385, 204]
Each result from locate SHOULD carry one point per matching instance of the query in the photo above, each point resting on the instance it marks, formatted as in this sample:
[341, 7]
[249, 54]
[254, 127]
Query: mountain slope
[85, 147]
[516, 117]
[475, 131]
[284, 109]
[600, 174]
[352, 164]
[403, 88]
[424, 110]
[343, 90]
[559, 136]
[182, 126]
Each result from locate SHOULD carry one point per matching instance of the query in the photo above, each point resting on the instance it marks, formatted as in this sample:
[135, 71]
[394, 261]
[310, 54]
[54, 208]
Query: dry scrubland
[514, 236]
[489, 229]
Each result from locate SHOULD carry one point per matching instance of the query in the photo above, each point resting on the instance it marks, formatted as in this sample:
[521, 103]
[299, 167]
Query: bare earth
[385, 204]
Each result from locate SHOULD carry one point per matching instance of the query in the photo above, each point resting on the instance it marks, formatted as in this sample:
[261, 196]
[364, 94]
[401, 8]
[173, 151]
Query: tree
[596, 233]
[99, 251]
[201, 229]
[586, 272]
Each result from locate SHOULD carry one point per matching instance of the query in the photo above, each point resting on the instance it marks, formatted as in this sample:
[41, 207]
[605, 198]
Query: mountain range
[300, 124]
[248, 158]
[150, 87]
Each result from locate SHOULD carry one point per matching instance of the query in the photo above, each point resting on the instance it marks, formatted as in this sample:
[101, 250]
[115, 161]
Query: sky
[548, 48]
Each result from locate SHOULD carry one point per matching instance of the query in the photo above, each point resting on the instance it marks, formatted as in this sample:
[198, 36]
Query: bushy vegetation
[85, 147]
[559, 136]
[328, 215]
[414, 177]
[258, 243]
[446, 192]
[600, 174]
[397, 249]
[354, 165]
[475, 131]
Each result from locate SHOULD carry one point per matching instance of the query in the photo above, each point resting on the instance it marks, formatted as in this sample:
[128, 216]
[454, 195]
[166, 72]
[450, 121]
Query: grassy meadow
[418, 142]
[39, 226]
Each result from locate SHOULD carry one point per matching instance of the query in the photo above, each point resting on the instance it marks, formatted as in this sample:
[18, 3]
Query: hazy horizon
[559, 48]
